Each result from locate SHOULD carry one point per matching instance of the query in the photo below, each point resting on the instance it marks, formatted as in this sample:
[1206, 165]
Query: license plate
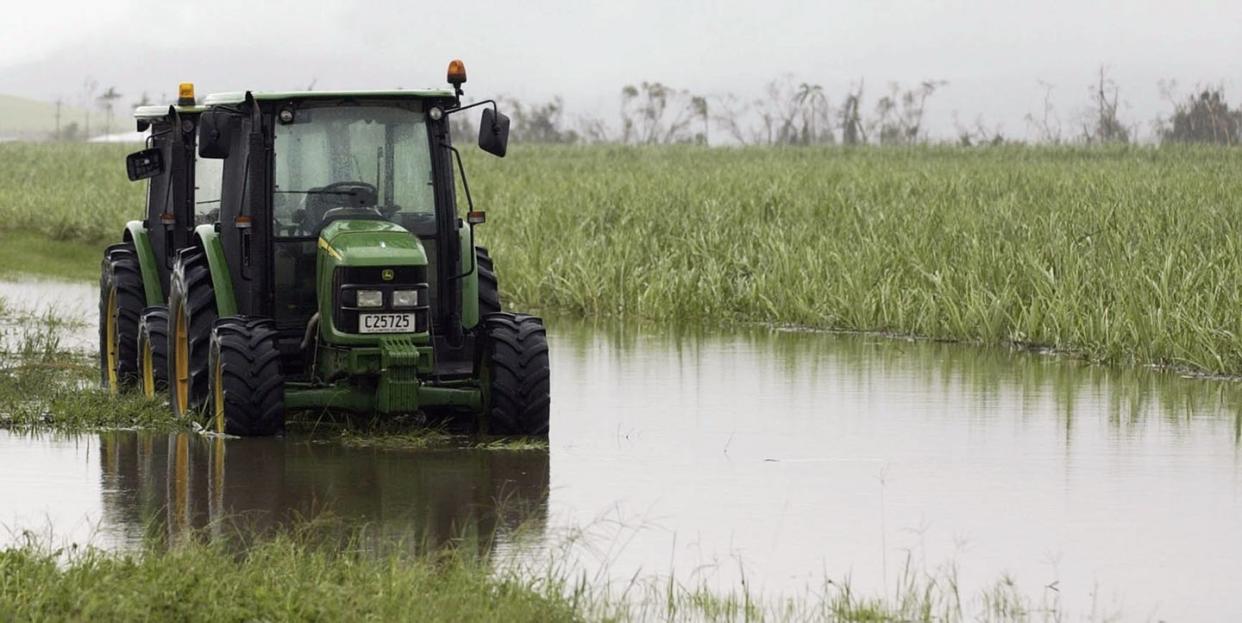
[386, 323]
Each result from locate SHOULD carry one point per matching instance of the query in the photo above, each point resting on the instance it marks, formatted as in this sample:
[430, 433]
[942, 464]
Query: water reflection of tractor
[312, 257]
[184, 482]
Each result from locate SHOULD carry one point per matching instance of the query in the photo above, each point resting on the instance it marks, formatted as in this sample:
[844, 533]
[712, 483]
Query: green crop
[1125, 255]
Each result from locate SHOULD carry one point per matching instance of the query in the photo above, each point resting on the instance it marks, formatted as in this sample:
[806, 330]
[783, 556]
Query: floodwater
[784, 457]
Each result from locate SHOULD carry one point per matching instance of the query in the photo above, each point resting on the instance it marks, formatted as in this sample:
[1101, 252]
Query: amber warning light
[185, 94]
[457, 74]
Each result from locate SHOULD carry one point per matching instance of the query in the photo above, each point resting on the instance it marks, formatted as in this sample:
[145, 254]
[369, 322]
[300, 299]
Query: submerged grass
[45, 386]
[401, 433]
[1123, 255]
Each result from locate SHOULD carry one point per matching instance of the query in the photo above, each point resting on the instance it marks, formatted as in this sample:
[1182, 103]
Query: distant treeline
[793, 112]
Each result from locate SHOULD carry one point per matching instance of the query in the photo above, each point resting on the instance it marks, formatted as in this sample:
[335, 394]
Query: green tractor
[335, 272]
[136, 272]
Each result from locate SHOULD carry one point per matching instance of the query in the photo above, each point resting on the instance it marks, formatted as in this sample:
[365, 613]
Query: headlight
[370, 298]
[405, 298]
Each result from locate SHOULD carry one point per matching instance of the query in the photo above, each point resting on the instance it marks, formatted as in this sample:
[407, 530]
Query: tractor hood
[371, 243]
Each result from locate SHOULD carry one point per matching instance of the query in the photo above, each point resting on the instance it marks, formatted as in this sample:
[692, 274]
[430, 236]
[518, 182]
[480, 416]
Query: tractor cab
[168, 163]
[342, 209]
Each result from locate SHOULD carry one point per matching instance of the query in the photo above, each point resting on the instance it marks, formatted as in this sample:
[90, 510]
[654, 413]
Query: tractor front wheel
[121, 299]
[246, 387]
[516, 374]
[191, 313]
[153, 350]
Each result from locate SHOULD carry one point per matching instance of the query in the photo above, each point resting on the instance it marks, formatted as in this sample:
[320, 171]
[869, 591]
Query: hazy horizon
[993, 58]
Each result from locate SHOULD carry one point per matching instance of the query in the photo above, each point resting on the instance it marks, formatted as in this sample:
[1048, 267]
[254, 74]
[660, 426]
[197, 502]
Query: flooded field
[779, 458]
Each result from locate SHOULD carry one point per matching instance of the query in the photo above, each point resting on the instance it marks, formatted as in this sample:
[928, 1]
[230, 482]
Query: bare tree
[853, 132]
[977, 134]
[1107, 128]
[728, 114]
[900, 113]
[655, 113]
[593, 129]
[1048, 125]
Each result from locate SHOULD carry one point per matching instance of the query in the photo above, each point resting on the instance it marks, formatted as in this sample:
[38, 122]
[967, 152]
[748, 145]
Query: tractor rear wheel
[489, 285]
[191, 313]
[247, 388]
[153, 350]
[121, 299]
[516, 375]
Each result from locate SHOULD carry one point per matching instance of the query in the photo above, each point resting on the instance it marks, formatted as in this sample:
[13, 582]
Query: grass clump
[277, 579]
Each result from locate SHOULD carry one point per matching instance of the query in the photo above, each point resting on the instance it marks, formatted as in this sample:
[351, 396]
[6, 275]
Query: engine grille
[346, 282]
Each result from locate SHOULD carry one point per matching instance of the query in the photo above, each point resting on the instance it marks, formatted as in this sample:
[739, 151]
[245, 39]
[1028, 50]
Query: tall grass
[1123, 255]
[67, 191]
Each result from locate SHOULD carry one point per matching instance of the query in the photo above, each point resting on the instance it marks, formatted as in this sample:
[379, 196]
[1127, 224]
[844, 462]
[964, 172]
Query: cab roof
[237, 97]
[159, 112]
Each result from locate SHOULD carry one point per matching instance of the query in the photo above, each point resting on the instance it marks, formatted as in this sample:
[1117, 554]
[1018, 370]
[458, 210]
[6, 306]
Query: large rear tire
[247, 388]
[517, 375]
[121, 299]
[489, 285]
[191, 314]
[153, 350]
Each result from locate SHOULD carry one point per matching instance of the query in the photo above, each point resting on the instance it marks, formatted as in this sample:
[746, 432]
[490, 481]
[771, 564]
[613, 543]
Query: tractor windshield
[351, 156]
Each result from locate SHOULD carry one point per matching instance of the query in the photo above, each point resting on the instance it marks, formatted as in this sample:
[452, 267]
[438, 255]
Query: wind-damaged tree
[654, 113]
[1203, 118]
[541, 122]
[1107, 128]
[1048, 125]
[900, 113]
[796, 114]
[853, 132]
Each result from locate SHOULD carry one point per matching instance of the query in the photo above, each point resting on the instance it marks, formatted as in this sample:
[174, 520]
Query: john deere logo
[387, 275]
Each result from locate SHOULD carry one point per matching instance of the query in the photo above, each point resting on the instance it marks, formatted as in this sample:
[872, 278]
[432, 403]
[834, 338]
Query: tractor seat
[341, 214]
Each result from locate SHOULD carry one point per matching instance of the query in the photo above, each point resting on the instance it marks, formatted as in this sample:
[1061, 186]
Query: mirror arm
[469, 106]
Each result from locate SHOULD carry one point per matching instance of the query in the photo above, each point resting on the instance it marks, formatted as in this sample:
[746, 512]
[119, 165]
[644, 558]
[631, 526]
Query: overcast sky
[992, 53]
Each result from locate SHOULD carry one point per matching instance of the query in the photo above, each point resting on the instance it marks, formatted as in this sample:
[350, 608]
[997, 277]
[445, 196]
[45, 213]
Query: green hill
[21, 117]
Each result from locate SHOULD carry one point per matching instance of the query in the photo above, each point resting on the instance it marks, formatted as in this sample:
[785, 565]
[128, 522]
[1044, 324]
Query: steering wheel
[336, 195]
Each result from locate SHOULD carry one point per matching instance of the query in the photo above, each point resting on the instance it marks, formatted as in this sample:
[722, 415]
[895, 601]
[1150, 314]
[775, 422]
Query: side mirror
[494, 132]
[215, 132]
[141, 165]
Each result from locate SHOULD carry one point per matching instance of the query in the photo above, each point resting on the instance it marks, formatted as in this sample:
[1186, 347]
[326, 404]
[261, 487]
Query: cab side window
[207, 175]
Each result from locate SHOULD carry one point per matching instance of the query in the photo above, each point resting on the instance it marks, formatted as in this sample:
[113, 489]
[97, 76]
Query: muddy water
[786, 457]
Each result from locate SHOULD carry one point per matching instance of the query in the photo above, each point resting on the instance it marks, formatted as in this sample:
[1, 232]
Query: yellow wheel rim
[181, 384]
[148, 370]
[110, 338]
[181, 485]
[218, 399]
